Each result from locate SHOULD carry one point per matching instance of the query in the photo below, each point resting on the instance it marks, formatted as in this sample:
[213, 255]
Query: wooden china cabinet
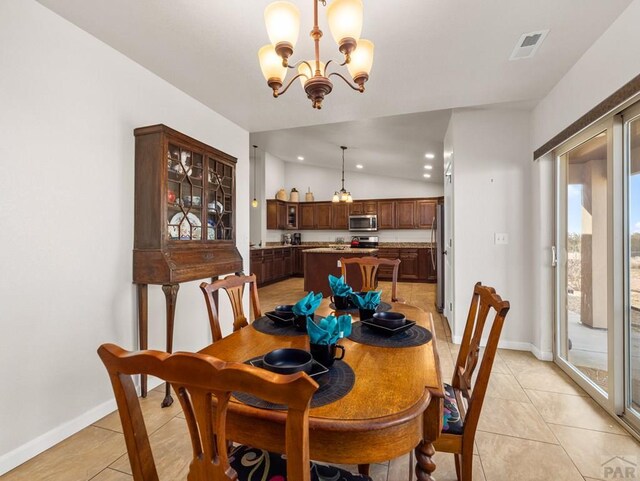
[184, 219]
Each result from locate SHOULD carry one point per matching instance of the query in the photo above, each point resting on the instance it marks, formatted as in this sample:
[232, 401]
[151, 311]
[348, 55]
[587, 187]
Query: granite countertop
[347, 250]
[330, 245]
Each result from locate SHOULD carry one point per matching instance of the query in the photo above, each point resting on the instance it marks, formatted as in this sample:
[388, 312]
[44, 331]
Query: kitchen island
[322, 261]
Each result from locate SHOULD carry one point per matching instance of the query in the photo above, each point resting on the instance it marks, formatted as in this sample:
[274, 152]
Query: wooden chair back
[204, 385]
[233, 285]
[369, 270]
[472, 393]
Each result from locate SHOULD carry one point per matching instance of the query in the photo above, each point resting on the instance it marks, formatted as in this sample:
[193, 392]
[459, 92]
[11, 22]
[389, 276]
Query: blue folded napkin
[329, 329]
[369, 300]
[308, 304]
[339, 287]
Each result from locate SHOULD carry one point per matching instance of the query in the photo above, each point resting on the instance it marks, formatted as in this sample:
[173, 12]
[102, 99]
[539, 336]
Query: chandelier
[283, 26]
[342, 195]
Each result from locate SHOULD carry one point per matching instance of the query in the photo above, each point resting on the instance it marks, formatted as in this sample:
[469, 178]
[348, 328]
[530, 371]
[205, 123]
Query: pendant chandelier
[254, 202]
[342, 195]
[283, 26]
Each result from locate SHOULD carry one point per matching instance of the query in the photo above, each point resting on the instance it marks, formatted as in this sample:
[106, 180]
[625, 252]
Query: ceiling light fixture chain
[342, 195]
[254, 202]
[345, 19]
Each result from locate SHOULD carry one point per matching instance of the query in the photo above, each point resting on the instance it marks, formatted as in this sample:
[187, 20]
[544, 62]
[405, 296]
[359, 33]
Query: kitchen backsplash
[418, 235]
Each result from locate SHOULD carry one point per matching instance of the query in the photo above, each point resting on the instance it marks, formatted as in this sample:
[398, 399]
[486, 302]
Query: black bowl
[288, 361]
[285, 311]
[389, 319]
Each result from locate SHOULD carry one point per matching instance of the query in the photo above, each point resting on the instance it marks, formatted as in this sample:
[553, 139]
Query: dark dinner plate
[281, 320]
[388, 331]
[317, 369]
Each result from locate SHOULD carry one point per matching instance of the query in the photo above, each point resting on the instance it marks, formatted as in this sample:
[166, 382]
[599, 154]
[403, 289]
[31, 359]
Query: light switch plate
[339, 264]
[501, 238]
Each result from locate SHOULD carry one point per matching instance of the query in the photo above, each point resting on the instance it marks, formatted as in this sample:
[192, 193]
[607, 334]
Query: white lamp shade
[361, 58]
[335, 198]
[271, 63]
[283, 22]
[303, 68]
[345, 19]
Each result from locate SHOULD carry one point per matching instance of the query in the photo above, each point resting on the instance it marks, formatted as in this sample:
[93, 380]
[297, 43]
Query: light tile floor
[536, 424]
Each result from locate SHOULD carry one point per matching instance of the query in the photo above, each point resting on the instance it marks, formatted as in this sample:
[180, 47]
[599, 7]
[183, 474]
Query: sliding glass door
[584, 290]
[631, 133]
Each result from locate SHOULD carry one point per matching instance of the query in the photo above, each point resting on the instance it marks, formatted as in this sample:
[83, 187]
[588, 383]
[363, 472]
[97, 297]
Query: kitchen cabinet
[385, 273]
[298, 261]
[409, 267]
[307, 219]
[425, 213]
[340, 220]
[405, 214]
[271, 265]
[427, 268]
[365, 207]
[323, 213]
[282, 215]
[386, 214]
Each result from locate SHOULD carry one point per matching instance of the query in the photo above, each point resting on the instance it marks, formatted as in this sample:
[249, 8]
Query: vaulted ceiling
[430, 54]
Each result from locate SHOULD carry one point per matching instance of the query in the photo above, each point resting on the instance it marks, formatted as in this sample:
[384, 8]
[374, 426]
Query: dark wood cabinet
[282, 215]
[184, 219]
[385, 273]
[307, 216]
[427, 267]
[298, 261]
[386, 214]
[409, 266]
[425, 213]
[405, 214]
[323, 213]
[340, 220]
[392, 214]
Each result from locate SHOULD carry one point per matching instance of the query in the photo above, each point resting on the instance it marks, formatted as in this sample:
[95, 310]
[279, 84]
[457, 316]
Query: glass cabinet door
[184, 193]
[219, 200]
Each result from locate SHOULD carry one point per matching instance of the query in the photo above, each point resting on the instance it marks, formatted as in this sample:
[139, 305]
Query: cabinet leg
[171, 295]
[143, 330]
[363, 469]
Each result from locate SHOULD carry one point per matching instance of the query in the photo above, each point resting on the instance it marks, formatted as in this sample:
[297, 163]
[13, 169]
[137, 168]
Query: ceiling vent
[528, 45]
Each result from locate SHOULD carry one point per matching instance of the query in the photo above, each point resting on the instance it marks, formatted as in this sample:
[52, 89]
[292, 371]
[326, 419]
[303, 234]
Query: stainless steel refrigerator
[437, 254]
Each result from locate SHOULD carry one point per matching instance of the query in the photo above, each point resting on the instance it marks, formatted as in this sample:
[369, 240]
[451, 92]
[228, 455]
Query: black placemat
[334, 385]
[267, 326]
[415, 336]
[382, 307]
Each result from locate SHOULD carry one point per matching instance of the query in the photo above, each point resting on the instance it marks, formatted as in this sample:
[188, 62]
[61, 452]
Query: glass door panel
[632, 157]
[583, 239]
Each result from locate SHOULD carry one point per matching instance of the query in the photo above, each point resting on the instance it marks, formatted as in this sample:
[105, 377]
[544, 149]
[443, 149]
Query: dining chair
[369, 270]
[204, 385]
[464, 397]
[233, 285]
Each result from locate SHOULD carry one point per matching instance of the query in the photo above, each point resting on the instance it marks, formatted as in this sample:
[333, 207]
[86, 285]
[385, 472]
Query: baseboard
[32, 448]
[516, 346]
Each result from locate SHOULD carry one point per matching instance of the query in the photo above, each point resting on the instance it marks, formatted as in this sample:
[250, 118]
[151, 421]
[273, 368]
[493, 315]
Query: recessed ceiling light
[426, 176]
[429, 156]
[300, 157]
[428, 167]
[359, 166]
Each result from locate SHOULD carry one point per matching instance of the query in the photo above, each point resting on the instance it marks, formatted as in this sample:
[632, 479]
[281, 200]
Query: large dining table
[394, 407]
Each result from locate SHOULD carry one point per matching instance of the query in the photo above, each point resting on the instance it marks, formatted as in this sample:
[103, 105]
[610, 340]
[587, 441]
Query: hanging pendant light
[254, 202]
[342, 195]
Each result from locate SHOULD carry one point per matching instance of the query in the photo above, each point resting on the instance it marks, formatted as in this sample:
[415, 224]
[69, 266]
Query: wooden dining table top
[384, 410]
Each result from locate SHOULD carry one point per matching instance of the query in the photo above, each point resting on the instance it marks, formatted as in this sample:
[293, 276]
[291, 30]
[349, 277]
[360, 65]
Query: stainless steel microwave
[363, 223]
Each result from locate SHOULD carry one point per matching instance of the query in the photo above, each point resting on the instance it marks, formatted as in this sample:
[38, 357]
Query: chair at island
[464, 398]
[369, 270]
[233, 285]
[204, 385]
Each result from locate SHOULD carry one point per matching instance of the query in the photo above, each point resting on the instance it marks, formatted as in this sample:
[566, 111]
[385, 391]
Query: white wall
[257, 213]
[491, 191]
[612, 61]
[324, 182]
[69, 107]
[449, 208]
